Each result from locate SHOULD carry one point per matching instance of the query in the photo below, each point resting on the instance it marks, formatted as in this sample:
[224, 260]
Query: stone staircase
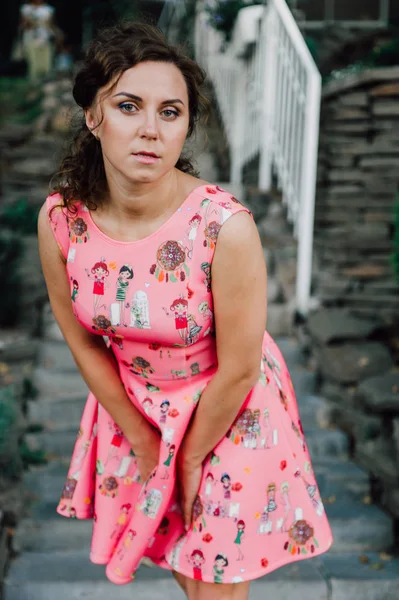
[53, 552]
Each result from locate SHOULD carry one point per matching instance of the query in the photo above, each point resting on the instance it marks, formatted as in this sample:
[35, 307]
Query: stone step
[58, 414]
[57, 357]
[71, 576]
[55, 385]
[315, 411]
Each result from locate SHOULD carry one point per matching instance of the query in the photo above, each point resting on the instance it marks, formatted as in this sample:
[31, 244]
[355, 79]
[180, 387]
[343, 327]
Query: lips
[146, 154]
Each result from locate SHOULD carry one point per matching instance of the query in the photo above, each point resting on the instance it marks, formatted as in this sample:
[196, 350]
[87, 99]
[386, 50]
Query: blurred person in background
[38, 34]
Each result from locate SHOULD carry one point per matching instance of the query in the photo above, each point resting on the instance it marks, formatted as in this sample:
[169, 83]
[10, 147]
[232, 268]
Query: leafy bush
[20, 216]
[10, 459]
[223, 14]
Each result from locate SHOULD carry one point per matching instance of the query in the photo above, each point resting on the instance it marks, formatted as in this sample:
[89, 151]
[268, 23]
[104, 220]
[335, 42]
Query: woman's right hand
[147, 457]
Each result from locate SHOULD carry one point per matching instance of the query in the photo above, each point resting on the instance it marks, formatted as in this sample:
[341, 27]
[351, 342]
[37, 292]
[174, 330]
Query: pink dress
[263, 509]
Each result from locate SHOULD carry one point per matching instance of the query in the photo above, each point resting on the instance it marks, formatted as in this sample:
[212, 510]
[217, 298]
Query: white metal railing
[269, 100]
[356, 13]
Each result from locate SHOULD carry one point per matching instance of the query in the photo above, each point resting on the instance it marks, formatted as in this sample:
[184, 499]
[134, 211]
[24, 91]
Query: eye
[128, 107]
[170, 113]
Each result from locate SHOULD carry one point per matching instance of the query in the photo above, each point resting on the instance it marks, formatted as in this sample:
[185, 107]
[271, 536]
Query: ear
[91, 122]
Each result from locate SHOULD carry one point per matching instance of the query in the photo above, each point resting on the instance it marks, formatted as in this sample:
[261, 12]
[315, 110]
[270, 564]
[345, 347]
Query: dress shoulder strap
[58, 218]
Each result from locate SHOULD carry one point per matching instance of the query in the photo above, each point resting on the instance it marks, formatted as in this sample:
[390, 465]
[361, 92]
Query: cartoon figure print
[285, 499]
[126, 543]
[221, 562]
[240, 535]
[151, 503]
[192, 232]
[226, 482]
[124, 464]
[116, 441]
[210, 483]
[99, 273]
[311, 489]
[207, 315]
[167, 462]
[147, 405]
[121, 522]
[179, 310]
[75, 290]
[164, 408]
[193, 330]
[196, 559]
[122, 285]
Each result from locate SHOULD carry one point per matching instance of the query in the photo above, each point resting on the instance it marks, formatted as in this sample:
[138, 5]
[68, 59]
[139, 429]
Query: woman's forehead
[167, 81]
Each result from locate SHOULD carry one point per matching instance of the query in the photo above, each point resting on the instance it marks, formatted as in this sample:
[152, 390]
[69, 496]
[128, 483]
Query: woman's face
[146, 112]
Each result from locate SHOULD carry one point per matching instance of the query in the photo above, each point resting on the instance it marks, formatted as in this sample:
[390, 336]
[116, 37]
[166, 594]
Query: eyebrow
[138, 99]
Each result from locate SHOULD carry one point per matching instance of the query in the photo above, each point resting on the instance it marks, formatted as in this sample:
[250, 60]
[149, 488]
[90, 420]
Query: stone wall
[357, 183]
[353, 341]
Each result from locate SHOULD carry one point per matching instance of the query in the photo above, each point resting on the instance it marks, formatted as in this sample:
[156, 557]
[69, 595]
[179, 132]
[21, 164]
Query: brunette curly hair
[115, 49]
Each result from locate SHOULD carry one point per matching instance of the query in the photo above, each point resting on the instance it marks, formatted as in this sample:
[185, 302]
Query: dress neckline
[196, 190]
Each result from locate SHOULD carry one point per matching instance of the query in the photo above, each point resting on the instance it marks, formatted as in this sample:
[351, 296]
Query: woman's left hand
[189, 475]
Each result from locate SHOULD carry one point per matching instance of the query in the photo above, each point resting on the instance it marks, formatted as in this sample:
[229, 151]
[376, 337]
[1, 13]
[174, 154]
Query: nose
[149, 126]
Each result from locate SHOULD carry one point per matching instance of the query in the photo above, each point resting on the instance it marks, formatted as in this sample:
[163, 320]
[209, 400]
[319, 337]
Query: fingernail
[186, 526]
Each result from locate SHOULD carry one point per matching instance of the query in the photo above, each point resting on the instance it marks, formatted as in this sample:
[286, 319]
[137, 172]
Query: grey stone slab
[379, 394]
[54, 535]
[315, 411]
[144, 590]
[57, 414]
[291, 351]
[304, 381]
[58, 385]
[57, 357]
[350, 579]
[334, 324]
[325, 442]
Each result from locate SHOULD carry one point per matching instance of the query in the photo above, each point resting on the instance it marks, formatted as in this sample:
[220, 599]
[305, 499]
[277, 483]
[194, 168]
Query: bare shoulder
[239, 231]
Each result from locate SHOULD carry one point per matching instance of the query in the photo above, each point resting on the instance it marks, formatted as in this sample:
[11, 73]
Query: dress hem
[117, 580]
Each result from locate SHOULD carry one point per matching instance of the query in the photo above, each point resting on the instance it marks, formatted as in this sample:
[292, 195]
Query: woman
[126, 179]
[38, 30]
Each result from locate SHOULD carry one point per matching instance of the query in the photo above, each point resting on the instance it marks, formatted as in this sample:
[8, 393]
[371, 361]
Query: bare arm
[240, 299]
[95, 362]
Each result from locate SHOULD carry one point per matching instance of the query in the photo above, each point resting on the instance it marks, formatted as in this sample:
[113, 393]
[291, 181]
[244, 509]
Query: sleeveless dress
[258, 505]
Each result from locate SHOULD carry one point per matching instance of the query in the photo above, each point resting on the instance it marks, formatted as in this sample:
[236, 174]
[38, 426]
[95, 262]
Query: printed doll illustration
[311, 489]
[238, 540]
[193, 330]
[267, 430]
[164, 408]
[265, 524]
[122, 285]
[175, 554]
[206, 268]
[179, 310]
[147, 406]
[167, 462]
[140, 311]
[207, 315]
[116, 441]
[218, 568]
[196, 559]
[121, 522]
[127, 542]
[151, 503]
[252, 430]
[271, 501]
[226, 482]
[209, 485]
[171, 263]
[99, 273]
[192, 232]
[124, 465]
[285, 500]
[75, 290]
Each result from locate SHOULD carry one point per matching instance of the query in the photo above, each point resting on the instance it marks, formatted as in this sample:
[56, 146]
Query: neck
[142, 201]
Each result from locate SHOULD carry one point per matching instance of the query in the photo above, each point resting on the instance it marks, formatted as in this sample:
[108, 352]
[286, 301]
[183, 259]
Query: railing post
[238, 137]
[307, 194]
[268, 96]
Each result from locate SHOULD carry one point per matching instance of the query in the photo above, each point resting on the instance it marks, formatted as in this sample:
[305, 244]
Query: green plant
[20, 216]
[10, 459]
[223, 14]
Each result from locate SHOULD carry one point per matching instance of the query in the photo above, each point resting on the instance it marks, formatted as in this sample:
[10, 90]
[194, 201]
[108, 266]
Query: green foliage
[395, 257]
[10, 254]
[223, 14]
[20, 217]
[10, 460]
[19, 103]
